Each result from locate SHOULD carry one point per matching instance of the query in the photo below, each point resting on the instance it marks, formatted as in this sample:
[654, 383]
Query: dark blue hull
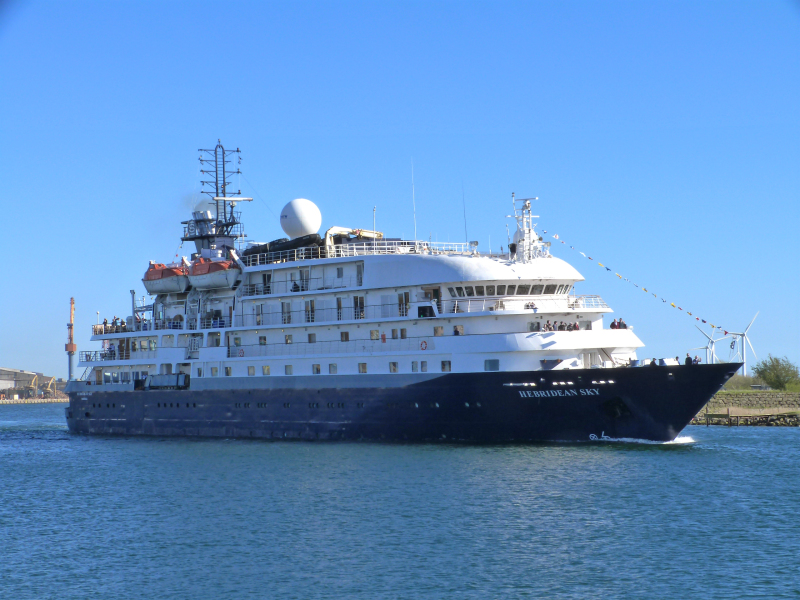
[652, 403]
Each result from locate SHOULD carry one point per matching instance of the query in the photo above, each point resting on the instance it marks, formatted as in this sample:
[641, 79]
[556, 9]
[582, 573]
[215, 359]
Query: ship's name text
[545, 393]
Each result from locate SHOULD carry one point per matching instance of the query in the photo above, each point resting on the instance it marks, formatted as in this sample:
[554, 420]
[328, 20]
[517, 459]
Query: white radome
[300, 217]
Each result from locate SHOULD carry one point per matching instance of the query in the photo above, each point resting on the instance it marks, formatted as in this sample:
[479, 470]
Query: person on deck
[687, 360]
[622, 324]
[613, 324]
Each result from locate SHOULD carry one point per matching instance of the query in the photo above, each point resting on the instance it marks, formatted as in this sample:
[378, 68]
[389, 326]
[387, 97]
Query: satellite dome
[300, 217]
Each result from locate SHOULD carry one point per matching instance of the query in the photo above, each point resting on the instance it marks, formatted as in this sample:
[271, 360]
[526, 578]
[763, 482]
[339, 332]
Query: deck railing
[357, 249]
[302, 285]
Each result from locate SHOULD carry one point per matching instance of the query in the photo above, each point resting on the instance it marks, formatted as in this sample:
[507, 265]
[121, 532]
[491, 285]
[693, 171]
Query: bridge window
[550, 289]
[511, 289]
[501, 290]
[469, 290]
[537, 290]
[490, 290]
[460, 292]
[479, 290]
[522, 290]
[452, 292]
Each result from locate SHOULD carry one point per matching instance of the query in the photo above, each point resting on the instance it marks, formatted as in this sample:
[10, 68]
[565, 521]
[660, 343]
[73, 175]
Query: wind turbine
[742, 338]
[711, 355]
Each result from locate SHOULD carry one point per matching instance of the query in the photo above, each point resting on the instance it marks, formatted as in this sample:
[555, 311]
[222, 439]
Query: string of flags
[644, 289]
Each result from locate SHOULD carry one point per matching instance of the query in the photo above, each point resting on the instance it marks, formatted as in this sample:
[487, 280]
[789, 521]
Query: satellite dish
[300, 217]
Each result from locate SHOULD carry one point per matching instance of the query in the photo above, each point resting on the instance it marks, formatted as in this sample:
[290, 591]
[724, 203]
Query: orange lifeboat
[209, 274]
[165, 279]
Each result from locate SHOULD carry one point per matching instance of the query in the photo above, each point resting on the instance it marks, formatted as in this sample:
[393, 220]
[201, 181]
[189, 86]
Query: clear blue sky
[663, 139]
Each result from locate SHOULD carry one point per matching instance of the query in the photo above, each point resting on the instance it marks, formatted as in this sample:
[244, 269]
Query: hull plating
[653, 403]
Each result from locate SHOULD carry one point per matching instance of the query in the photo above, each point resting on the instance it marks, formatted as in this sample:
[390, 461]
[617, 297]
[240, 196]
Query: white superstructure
[356, 302]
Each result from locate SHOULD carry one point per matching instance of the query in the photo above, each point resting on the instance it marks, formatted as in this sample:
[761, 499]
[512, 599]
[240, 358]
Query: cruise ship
[353, 335]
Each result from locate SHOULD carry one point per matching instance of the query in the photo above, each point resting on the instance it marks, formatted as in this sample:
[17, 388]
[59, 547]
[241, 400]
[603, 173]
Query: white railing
[303, 285]
[532, 303]
[357, 249]
[323, 315]
[417, 344]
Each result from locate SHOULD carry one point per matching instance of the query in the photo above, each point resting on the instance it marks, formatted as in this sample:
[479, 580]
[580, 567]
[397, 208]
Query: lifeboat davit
[166, 279]
[209, 274]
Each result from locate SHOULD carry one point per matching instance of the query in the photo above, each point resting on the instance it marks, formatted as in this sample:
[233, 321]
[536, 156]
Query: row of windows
[316, 369]
[344, 336]
[523, 289]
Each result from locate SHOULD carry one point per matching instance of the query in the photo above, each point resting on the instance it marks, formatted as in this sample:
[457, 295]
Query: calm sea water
[716, 515]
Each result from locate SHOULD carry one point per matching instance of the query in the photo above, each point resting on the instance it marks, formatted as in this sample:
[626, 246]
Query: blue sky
[663, 139]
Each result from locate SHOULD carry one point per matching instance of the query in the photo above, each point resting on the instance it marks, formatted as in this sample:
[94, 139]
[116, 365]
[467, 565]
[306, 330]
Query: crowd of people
[562, 326]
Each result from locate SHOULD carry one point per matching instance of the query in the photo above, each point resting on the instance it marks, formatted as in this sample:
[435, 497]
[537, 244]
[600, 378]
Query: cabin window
[345, 336]
[423, 366]
[338, 309]
[394, 334]
[374, 334]
[287, 369]
[522, 290]
[312, 338]
[414, 366]
[339, 272]
[460, 292]
[403, 334]
[534, 326]
[199, 371]
[445, 366]
[490, 290]
[452, 292]
[133, 345]
[310, 311]
[237, 341]
[491, 364]
[315, 370]
[332, 368]
[265, 369]
[458, 330]
[536, 290]
[438, 331]
[214, 371]
[288, 338]
[228, 371]
[511, 289]
[501, 290]
[403, 302]
[262, 340]
[286, 312]
[550, 289]
[251, 370]
[479, 290]
[567, 288]
[358, 306]
[469, 290]
[392, 367]
[362, 367]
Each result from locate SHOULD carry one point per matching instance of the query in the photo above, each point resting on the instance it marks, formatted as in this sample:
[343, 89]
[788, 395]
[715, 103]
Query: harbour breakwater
[751, 408]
